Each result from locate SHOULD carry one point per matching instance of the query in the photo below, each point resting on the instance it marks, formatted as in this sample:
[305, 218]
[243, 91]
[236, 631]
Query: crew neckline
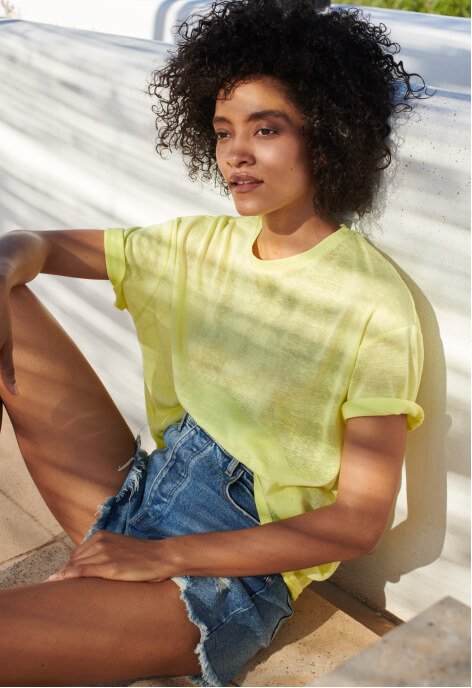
[299, 259]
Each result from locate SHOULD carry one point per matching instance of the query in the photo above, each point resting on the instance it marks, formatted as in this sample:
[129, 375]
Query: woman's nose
[239, 153]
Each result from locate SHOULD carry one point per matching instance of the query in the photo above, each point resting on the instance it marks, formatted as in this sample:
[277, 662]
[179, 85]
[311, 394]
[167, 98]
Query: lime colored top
[270, 357]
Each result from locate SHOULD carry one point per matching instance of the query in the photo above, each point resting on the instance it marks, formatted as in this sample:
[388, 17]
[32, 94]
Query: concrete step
[35, 567]
[433, 649]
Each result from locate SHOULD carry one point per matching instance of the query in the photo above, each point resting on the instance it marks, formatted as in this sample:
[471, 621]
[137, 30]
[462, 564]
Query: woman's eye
[264, 131]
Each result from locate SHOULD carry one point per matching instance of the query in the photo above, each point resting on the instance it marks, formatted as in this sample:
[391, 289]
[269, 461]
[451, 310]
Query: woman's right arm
[24, 254]
[68, 252]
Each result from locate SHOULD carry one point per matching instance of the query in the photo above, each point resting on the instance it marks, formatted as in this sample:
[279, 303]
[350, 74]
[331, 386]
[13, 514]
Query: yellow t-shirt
[269, 357]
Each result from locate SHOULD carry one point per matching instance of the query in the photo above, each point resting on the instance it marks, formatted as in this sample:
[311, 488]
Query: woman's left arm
[373, 452]
[372, 457]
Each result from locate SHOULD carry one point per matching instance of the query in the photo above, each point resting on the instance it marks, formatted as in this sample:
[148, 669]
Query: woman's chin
[244, 212]
[248, 208]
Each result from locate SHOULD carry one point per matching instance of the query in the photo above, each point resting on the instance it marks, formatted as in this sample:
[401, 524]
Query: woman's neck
[284, 237]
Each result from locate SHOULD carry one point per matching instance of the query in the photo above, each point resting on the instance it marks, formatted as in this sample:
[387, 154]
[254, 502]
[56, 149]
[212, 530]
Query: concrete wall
[76, 150]
[437, 46]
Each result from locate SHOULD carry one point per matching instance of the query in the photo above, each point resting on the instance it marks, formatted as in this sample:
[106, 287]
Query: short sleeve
[116, 263]
[136, 259]
[387, 375]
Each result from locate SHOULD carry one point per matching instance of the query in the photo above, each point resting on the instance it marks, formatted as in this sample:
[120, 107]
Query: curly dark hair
[337, 68]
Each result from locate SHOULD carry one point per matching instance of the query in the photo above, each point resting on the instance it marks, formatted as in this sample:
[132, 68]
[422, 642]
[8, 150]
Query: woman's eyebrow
[260, 114]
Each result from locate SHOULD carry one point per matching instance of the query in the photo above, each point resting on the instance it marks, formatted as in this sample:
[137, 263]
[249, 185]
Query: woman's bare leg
[73, 438]
[70, 433]
[88, 631]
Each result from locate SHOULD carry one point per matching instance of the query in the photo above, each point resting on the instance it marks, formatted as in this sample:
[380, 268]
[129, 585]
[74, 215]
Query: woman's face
[261, 150]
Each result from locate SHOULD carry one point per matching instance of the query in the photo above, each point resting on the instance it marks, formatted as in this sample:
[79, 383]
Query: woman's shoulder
[205, 222]
[197, 224]
[379, 278]
[174, 228]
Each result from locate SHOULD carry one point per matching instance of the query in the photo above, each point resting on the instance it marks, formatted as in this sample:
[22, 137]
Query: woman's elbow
[365, 533]
[371, 539]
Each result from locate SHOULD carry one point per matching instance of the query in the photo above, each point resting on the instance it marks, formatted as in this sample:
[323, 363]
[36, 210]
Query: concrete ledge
[433, 649]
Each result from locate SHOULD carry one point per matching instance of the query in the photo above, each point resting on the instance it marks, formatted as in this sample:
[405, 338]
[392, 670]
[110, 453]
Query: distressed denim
[194, 486]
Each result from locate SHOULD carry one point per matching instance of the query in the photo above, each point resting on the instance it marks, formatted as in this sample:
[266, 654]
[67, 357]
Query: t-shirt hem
[297, 581]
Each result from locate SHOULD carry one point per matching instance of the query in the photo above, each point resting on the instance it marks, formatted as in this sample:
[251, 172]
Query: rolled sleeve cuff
[384, 407]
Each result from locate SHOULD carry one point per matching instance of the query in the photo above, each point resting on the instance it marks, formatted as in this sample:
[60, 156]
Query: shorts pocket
[239, 491]
[168, 488]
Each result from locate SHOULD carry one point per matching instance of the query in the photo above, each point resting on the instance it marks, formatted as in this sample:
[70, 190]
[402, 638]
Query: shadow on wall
[419, 538]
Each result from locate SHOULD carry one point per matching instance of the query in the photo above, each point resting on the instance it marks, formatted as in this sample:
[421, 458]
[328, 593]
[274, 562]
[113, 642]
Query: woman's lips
[245, 187]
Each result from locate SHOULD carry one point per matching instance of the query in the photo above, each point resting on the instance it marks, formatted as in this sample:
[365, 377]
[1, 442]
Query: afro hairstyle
[337, 68]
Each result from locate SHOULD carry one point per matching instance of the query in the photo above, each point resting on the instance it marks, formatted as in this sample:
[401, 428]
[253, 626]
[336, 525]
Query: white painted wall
[76, 150]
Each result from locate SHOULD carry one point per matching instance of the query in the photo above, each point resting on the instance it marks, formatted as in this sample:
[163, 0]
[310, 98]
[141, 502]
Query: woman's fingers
[7, 368]
[100, 541]
[83, 549]
[91, 570]
[98, 566]
[110, 569]
[117, 557]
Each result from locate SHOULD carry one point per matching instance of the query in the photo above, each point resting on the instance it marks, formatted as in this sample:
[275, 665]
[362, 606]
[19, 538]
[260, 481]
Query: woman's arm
[372, 458]
[23, 254]
[68, 252]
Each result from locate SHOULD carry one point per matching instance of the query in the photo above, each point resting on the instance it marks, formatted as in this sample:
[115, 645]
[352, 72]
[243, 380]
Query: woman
[282, 356]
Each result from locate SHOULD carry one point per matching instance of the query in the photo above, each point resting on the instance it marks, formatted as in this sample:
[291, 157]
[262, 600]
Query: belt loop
[232, 466]
[182, 422]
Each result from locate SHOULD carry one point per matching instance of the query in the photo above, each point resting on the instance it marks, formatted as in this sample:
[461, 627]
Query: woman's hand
[6, 341]
[23, 254]
[119, 557]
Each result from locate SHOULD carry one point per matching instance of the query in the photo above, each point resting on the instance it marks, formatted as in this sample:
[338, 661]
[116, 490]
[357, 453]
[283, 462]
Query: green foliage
[452, 8]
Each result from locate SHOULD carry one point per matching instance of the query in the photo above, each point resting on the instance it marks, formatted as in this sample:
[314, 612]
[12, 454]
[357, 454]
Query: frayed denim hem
[208, 677]
[129, 487]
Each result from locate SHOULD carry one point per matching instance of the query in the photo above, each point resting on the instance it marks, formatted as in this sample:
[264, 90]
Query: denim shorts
[194, 486]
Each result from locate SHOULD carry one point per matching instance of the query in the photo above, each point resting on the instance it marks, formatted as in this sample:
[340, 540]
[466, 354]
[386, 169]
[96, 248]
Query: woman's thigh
[90, 630]
[69, 431]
